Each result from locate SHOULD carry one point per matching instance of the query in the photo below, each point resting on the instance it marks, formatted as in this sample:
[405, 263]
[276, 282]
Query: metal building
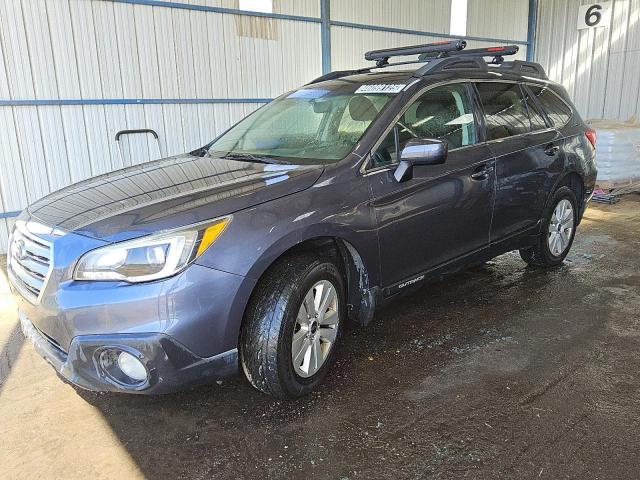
[599, 66]
[75, 72]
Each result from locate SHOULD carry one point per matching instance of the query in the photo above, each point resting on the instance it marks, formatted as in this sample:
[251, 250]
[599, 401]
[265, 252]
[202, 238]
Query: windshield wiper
[249, 157]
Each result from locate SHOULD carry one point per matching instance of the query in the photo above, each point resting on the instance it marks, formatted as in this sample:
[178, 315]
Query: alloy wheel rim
[316, 329]
[561, 228]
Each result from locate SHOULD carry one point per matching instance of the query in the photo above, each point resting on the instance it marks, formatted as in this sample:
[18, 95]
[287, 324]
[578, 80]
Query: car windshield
[309, 125]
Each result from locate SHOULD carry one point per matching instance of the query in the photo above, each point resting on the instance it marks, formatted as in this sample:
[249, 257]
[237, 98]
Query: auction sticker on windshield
[381, 88]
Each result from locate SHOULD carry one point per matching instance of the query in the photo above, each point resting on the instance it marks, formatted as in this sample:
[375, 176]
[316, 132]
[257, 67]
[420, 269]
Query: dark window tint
[537, 120]
[558, 112]
[444, 113]
[504, 108]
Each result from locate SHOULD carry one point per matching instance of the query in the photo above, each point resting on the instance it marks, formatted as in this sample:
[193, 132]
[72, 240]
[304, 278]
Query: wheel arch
[361, 294]
[575, 182]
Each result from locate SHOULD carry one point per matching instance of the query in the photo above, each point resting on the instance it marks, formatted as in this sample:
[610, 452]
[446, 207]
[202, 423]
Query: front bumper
[169, 364]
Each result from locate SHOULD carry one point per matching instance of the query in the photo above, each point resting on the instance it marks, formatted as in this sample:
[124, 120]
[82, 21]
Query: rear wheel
[292, 326]
[557, 233]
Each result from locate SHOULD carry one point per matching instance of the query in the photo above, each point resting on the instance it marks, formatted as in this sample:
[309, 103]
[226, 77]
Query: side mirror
[420, 151]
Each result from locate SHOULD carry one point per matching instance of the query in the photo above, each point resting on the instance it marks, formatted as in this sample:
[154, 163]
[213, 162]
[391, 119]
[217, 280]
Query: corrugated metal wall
[486, 18]
[102, 56]
[600, 67]
[94, 49]
[430, 16]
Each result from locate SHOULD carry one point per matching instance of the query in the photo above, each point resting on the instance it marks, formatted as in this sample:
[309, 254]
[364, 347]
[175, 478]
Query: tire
[277, 311]
[550, 250]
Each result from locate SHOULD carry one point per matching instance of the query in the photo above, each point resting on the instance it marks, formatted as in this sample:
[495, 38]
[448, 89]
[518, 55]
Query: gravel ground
[500, 372]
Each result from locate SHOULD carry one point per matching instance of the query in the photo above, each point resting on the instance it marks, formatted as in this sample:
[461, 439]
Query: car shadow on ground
[9, 352]
[11, 338]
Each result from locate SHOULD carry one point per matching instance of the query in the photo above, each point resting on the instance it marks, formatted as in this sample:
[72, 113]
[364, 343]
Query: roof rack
[443, 56]
[497, 53]
[339, 74]
[381, 57]
[530, 69]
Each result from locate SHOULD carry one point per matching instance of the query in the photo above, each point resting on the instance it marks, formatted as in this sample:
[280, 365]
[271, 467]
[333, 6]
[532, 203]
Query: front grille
[29, 263]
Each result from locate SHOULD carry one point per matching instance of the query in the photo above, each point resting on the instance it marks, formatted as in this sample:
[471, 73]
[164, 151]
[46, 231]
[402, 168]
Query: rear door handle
[551, 149]
[482, 172]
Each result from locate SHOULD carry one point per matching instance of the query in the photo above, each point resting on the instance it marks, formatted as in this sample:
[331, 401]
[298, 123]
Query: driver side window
[444, 113]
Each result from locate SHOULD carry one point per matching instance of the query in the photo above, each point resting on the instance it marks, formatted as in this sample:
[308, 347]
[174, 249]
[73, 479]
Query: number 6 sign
[594, 15]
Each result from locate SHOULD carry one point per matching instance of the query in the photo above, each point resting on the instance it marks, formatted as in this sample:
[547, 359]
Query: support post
[532, 25]
[325, 34]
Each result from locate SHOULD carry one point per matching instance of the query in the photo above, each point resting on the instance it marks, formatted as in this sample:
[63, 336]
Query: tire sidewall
[563, 193]
[318, 271]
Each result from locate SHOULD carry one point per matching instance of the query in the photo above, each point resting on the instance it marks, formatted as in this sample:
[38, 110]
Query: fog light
[132, 367]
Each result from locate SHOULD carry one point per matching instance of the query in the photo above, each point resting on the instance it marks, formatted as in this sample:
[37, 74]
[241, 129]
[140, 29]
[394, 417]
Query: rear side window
[537, 120]
[558, 112]
[504, 108]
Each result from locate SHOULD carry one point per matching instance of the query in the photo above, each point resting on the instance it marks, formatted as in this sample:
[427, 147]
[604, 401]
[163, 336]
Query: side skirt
[518, 240]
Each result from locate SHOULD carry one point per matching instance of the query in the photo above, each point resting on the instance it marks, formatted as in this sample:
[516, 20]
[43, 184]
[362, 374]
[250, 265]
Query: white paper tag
[380, 88]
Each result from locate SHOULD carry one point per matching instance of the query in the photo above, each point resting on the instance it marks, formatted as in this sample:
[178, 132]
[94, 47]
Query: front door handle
[482, 172]
[551, 149]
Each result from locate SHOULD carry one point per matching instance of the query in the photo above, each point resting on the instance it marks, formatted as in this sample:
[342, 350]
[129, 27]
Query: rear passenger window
[537, 120]
[504, 108]
[558, 112]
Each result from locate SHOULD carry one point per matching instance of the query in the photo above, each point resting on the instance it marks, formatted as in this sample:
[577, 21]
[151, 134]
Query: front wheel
[292, 326]
[557, 233]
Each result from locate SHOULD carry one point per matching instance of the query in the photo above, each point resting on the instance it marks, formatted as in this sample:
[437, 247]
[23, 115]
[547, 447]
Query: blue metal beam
[325, 35]
[9, 214]
[532, 25]
[129, 101]
[364, 26]
[230, 11]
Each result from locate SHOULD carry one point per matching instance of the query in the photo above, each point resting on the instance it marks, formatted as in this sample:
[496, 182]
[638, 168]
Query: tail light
[591, 136]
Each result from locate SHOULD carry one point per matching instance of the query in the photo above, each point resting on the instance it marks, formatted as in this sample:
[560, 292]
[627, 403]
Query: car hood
[167, 193]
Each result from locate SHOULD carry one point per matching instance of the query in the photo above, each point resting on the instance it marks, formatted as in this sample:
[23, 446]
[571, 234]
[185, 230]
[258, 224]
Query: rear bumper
[169, 364]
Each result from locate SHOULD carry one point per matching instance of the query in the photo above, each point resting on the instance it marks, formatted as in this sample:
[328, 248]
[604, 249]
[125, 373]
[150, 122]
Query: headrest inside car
[362, 109]
[433, 106]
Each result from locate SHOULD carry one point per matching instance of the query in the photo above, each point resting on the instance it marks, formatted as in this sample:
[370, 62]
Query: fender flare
[562, 179]
[360, 272]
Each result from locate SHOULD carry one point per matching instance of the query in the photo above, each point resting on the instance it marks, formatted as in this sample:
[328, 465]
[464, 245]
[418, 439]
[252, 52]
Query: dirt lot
[500, 372]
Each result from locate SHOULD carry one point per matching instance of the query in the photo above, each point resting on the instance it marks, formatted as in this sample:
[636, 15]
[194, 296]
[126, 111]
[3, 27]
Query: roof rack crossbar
[381, 57]
[495, 52]
[344, 73]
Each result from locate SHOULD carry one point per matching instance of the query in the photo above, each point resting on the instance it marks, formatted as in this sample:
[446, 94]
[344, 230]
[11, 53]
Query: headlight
[149, 258]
